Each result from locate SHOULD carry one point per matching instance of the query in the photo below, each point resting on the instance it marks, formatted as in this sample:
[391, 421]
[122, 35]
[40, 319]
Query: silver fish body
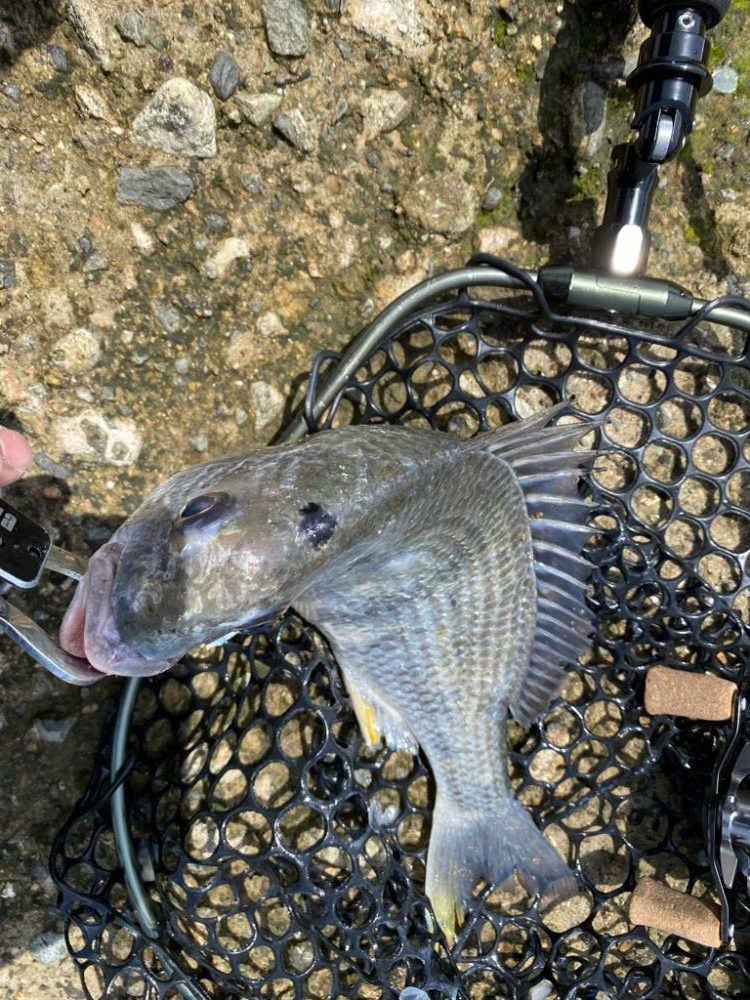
[415, 554]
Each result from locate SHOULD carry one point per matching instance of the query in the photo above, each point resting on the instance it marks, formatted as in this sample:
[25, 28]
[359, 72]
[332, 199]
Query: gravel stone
[492, 198]
[91, 102]
[53, 730]
[8, 278]
[287, 27]
[179, 119]
[49, 947]
[143, 241]
[215, 222]
[726, 80]
[95, 261]
[84, 16]
[383, 111]
[133, 27]
[182, 365]
[252, 182]
[77, 352]
[224, 76]
[52, 468]
[59, 58]
[259, 108]
[100, 438]
[228, 251]
[296, 130]
[268, 405]
[345, 50]
[413, 993]
[158, 188]
[443, 202]
[168, 316]
[13, 91]
[405, 25]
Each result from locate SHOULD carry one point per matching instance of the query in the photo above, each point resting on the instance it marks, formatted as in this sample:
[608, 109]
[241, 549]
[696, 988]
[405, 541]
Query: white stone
[91, 434]
[58, 310]
[180, 119]
[229, 250]
[495, 239]
[78, 351]
[84, 17]
[382, 111]
[258, 108]
[268, 405]
[269, 324]
[92, 103]
[726, 80]
[405, 25]
[142, 239]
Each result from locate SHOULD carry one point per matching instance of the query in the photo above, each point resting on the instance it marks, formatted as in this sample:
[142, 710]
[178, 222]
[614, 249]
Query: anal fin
[378, 721]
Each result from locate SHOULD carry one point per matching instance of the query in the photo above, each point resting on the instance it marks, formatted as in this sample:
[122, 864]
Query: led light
[627, 251]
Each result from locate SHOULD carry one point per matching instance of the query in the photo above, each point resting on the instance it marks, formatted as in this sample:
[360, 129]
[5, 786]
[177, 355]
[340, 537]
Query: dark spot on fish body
[317, 525]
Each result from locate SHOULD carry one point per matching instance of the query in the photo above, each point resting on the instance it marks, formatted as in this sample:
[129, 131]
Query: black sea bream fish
[446, 576]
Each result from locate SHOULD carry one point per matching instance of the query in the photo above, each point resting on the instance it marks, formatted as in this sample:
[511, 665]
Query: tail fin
[465, 847]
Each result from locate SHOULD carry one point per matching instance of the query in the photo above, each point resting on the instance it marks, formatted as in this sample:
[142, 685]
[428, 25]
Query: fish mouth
[89, 630]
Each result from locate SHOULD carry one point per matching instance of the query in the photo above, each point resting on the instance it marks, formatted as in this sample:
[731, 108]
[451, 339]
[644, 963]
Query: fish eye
[204, 510]
[196, 506]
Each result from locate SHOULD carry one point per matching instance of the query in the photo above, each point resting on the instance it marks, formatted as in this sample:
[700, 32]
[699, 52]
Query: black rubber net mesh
[286, 861]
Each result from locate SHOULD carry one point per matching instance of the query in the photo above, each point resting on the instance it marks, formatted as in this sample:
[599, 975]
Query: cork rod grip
[694, 696]
[655, 905]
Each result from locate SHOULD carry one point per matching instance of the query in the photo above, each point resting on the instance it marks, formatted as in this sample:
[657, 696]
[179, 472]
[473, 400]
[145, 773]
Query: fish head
[216, 548]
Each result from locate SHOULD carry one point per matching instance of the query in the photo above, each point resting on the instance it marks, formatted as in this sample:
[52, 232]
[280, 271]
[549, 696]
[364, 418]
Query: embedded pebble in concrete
[287, 27]
[224, 76]
[8, 277]
[405, 25]
[443, 202]
[49, 947]
[59, 58]
[77, 352]
[180, 118]
[382, 111]
[99, 437]
[228, 251]
[96, 260]
[53, 730]
[259, 108]
[726, 80]
[296, 130]
[159, 188]
[12, 90]
[85, 18]
[268, 405]
[492, 198]
[91, 102]
[142, 239]
[133, 27]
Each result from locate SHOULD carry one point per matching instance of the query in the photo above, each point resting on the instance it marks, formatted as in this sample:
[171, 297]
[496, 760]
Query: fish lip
[89, 629]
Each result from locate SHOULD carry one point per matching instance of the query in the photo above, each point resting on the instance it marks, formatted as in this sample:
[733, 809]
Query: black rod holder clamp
[670, 76]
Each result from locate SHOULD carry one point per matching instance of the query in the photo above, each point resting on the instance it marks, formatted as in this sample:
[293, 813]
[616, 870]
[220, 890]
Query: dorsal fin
[549, 470]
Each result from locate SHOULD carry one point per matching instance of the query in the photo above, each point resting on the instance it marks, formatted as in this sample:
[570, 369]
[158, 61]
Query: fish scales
[414, 554]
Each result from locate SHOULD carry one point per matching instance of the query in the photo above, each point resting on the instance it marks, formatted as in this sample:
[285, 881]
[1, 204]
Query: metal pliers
[26, 551]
